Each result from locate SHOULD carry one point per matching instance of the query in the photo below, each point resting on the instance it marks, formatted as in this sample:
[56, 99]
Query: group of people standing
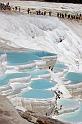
[43, 12]
[39, 12]
[69, 16]
[5, 6]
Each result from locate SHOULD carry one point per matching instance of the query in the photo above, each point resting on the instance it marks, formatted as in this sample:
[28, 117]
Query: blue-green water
[37, 73]
[37, 94]
[43, 53]
[42, 84]
[74, 117]
[18, 58]
[69, 103]
[74, 77]
[5, 79]
[58, 67]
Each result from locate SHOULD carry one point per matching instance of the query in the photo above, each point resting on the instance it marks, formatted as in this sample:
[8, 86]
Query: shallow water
[74, 117]
[74, 77]
[68, 103]
[37, 94]
[18, 58]
[59, 67]
[5, 79]
[42, 84]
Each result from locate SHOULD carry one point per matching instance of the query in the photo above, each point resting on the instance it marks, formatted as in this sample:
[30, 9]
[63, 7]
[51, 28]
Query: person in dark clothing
[16, 8]
[60, 107]
[19, 9]
[36, 12]
[74, 16]
[44, 13]
[50, 13]
[60, 15]
[65, 15]
[60, 40]
[39, 12]
[28, 10]
[49, 67]
[7, 4]
[80, 15]
[69, 16]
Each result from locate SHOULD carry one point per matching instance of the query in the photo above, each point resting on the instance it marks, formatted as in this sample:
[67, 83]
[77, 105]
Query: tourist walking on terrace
[28, 10]
[44, 13]
[39, 12]
[16, 8]
[19, 9]
[50, 13]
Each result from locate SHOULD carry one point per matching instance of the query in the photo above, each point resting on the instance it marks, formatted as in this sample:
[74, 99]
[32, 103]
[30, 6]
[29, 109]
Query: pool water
[59, 66]
[5, 79]
[19, 58]
[74, 117]
[68, 103]
[74, 77]
[37, 94]
[42, 84]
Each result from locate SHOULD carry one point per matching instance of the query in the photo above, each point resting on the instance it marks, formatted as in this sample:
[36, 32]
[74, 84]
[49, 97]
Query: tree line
[65, 1]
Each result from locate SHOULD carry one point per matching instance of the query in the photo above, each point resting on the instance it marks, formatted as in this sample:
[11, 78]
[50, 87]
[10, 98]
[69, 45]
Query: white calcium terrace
[40, 33]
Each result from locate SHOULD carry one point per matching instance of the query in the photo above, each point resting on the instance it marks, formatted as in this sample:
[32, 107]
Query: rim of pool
[74, 77]
[4, 80]
[41, 83]
[34, 92]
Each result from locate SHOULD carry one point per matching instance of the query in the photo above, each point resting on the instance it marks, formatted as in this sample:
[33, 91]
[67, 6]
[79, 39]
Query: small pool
[37, 94]
[38, 73]
[59, 66]
[19, 58]
[73, 117]
[5, 79]
[74, 77]
[68, 103]
[42, 84]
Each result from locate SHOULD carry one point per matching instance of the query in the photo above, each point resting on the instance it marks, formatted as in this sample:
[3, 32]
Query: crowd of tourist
[7, 6]
[69, 16]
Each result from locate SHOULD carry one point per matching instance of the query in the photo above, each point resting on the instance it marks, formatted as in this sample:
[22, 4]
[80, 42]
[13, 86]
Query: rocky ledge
[9, 115]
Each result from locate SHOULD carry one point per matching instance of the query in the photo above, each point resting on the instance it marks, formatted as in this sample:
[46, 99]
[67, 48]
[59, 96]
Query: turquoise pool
[74, 117]
[37, 94]
[42, 84]
[5, 79]
[68, 103]
[19, 58]
[59, 66]
[38, 73]
[74, 77]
